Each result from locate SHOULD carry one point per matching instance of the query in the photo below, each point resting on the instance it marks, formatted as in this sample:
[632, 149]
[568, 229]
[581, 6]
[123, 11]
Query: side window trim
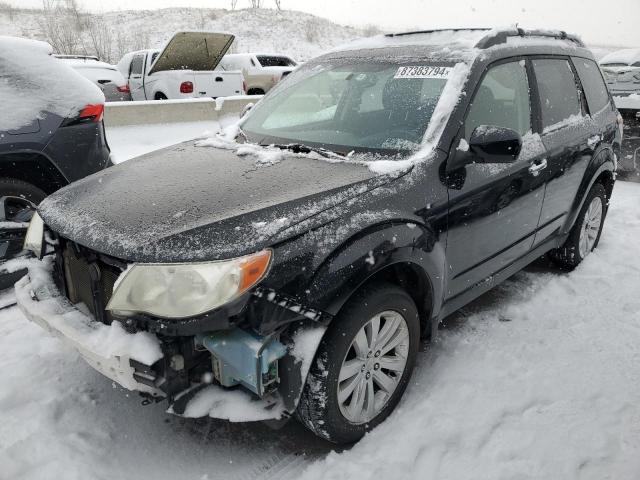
[583, 97]
[576, 79]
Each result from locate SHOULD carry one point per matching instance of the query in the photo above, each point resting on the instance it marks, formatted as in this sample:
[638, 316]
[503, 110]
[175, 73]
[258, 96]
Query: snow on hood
[163, 208]
[32, 82]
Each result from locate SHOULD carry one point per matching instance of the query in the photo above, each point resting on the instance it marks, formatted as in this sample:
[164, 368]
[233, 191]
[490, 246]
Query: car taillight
[124, 88]
[92, 112]
[186, 87]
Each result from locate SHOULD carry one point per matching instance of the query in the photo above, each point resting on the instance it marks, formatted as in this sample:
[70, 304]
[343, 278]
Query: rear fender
[603, 161]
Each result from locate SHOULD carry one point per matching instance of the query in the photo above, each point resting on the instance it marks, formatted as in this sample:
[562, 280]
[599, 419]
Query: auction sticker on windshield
[424, 71]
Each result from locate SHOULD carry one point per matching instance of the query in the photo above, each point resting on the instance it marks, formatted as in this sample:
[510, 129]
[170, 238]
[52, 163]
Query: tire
[572, 252]
[319, 408]
[255, 91]
[161, 96]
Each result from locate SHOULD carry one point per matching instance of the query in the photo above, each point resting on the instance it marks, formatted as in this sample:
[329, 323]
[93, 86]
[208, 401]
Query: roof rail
[418, 32]
[77, 57]
[500, 36]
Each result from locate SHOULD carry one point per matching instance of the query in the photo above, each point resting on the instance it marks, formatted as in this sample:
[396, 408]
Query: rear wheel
[585, 234]
[362, 365]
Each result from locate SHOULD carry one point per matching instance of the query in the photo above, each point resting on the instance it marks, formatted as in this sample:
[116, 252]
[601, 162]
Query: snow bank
[233, 405]
[34, 82]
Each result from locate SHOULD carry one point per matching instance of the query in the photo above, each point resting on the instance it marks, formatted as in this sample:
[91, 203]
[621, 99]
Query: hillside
[295, 33]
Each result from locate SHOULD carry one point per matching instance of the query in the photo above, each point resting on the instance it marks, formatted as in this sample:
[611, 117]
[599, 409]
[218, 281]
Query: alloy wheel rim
[590, 227]
[373, 366]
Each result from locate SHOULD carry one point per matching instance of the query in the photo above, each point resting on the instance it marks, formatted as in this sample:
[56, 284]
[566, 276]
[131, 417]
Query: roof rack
[498, 37]
[501, 36]
[77, 57]
[418, 32]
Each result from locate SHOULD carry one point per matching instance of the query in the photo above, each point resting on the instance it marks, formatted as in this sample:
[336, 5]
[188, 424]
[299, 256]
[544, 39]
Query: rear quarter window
[592, 83]
[559, 96]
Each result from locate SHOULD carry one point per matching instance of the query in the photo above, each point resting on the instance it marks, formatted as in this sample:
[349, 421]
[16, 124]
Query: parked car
[185, 68]
[261, 71]
[622, 73]
[51, 134]
[378, 190]
[106, 77]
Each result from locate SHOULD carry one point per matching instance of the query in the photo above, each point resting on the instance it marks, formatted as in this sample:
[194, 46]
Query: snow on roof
[32, 82]
[627, 56]
[458, 39]
[90, 63]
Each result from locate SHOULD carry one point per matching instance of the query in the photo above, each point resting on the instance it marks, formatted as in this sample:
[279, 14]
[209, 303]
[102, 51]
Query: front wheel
[585, 234]
[362, 366]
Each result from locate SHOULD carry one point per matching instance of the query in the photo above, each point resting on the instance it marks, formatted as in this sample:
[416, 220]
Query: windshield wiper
[301, 148]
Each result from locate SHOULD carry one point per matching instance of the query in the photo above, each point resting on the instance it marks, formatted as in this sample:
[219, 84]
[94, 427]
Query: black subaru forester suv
[298, 260]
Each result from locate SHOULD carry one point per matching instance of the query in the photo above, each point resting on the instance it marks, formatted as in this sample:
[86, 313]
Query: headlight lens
[186, 289]
[34, 239]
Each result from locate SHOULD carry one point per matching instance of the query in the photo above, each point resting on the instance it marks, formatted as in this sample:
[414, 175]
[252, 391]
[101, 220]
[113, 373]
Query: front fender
[363, 257]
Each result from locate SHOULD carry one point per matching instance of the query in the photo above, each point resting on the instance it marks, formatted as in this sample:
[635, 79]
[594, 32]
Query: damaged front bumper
[229, 374]
[107, 348]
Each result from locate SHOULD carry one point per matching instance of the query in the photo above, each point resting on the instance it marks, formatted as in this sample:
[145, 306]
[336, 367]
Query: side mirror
[492, 144]
[247, 108]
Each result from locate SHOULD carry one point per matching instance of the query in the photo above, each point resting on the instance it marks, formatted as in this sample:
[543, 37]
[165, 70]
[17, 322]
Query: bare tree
[278, 4]
[233, 4]
[122, 44]
[8, 9]
[256, 3]
[60, 27]
[100, 37]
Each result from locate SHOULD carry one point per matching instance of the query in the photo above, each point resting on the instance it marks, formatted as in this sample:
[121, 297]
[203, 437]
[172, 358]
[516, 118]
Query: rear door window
[559, 96]
[592, 83]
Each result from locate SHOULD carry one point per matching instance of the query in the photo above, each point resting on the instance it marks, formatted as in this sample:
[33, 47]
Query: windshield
[364, 107]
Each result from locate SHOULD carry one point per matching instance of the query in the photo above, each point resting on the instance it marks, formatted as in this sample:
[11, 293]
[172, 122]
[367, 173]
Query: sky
[598, 22]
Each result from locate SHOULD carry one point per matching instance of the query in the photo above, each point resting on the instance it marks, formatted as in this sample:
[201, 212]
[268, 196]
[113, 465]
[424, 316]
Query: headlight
[184, 290]
[34, 239]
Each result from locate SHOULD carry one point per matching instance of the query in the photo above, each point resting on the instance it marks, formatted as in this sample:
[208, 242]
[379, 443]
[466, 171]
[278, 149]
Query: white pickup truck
[261, 71]
[184, 68]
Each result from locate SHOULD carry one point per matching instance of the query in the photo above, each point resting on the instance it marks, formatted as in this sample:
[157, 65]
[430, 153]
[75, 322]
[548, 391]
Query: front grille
[88, 280]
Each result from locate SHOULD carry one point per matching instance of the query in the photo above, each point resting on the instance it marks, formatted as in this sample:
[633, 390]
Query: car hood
[190, 203]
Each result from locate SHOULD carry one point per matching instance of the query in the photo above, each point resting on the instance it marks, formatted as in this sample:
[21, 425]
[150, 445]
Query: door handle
[537, 167]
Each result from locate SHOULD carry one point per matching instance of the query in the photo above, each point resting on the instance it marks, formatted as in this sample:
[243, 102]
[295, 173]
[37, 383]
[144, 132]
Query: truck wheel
[160, 96]
[585, 234]
[362, 366]
[255, 91]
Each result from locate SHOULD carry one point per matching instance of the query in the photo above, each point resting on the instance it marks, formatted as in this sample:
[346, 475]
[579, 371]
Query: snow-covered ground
[539, 378]
[131, 141]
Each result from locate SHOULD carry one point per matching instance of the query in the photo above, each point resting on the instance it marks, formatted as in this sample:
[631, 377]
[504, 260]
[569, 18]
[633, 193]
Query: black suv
[374, 192]
[45, 149]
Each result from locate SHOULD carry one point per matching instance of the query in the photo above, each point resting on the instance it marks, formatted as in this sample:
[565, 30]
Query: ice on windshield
[32, 81]
[383, 107]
